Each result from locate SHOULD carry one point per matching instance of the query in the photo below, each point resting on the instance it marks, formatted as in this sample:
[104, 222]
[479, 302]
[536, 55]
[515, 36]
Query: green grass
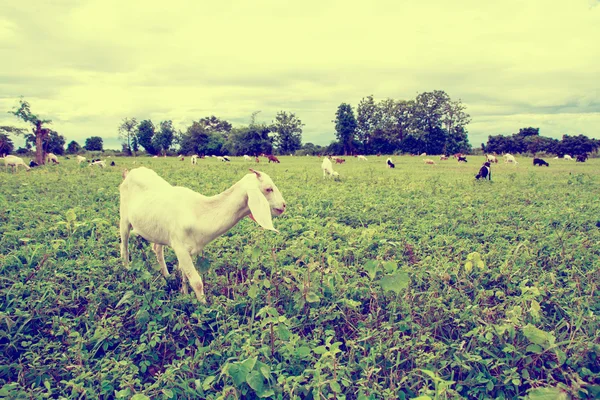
[416, 281]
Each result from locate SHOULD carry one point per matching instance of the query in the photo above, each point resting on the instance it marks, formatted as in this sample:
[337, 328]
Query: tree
[127, 131]
[429, 109]
[145, 136]
[40, 132]
[163, 140]
[345, 126]
[6, 144]
[366, 121]
[94, 143]
[252, 140]
[288, 128]
[73, 147]
[575, 145]
[215, 124]
[55, 143]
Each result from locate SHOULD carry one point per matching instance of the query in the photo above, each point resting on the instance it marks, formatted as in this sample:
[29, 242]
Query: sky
[87, 64]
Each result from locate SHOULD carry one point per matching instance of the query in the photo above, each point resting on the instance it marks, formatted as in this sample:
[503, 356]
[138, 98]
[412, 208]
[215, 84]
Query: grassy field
[416, 281]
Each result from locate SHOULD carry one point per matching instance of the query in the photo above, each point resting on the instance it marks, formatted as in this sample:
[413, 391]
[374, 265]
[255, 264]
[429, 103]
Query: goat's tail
[124, 174]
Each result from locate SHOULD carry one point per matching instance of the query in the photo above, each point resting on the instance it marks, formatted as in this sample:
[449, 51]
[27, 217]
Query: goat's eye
[269, 190]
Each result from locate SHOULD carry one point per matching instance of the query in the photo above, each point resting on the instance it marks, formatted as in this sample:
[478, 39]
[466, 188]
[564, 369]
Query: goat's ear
[258, 175]
[260, 209]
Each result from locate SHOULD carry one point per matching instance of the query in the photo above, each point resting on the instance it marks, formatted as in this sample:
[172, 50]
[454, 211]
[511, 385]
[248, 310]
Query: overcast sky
[87, 64]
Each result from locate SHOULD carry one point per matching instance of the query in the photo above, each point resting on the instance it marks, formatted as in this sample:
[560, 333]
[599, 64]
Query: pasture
[389, 283]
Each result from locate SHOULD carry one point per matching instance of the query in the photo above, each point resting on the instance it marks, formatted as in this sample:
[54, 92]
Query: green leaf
[547, 393]
[371, 268]
[255, 253]
[395, 282]
[536, 335]
[139, 396]
[256, 381]
[253, 291]
[468, 267]
[206, 385]
[142, 317]
[390, 266]
[249, 363]
[312, 297]
[238, 373]
[535, 348]
[320, 349]
[70, 215]
[303, 351]
[284, 332]
[335, 386]
[203, 265]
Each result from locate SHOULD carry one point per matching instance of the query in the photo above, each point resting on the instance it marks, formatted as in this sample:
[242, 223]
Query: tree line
[432, 123]
[528, 140]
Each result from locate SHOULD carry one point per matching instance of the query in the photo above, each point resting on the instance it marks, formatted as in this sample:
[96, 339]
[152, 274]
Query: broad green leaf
[256, 381]
[335, 386]
[468, 267]
[255, 253]
[547, 393]
[253, 291]
[139, 396]
[142, 317]
[303, 351]
[284, 332]
[536, 335]
[535, 348]
[238, 373]
[390, 266]
[395, 282]
[371, 268]
[249, 363]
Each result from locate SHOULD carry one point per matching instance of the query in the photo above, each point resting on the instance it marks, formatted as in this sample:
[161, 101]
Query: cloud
[88, 64]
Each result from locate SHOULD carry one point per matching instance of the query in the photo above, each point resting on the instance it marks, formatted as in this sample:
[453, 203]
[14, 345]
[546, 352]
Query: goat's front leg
[160, 256]
[186, 266]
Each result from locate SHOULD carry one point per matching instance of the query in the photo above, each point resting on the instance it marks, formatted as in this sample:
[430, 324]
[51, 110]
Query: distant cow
[32, 164]
[567, 157]
[339, 161]
[390, 164]
[540, 162]
[485, 171]
[112, 164]
[462, 159]
[509, 158]
[581, 158]
[429, 161]
[272, 158]
[443, 158]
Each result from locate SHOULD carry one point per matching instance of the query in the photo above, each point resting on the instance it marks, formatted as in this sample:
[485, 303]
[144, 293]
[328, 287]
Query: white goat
[247, 157]
[327, 168]
[14, 162]
[80, 159]
[363, 158]
[51, 157]
[491, 158]
[187, 221]
[568, 157]
[509, 158]
[194, 159]
[100, 164]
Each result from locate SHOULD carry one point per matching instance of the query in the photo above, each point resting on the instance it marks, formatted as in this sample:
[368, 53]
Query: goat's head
[264, 199]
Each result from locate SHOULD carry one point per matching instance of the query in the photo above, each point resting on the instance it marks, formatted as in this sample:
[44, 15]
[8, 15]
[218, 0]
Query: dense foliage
[94, 143]
[417, 281]
[528, 140]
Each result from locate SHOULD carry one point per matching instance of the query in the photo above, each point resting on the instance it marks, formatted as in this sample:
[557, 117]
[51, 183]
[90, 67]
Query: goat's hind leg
[125, 228]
